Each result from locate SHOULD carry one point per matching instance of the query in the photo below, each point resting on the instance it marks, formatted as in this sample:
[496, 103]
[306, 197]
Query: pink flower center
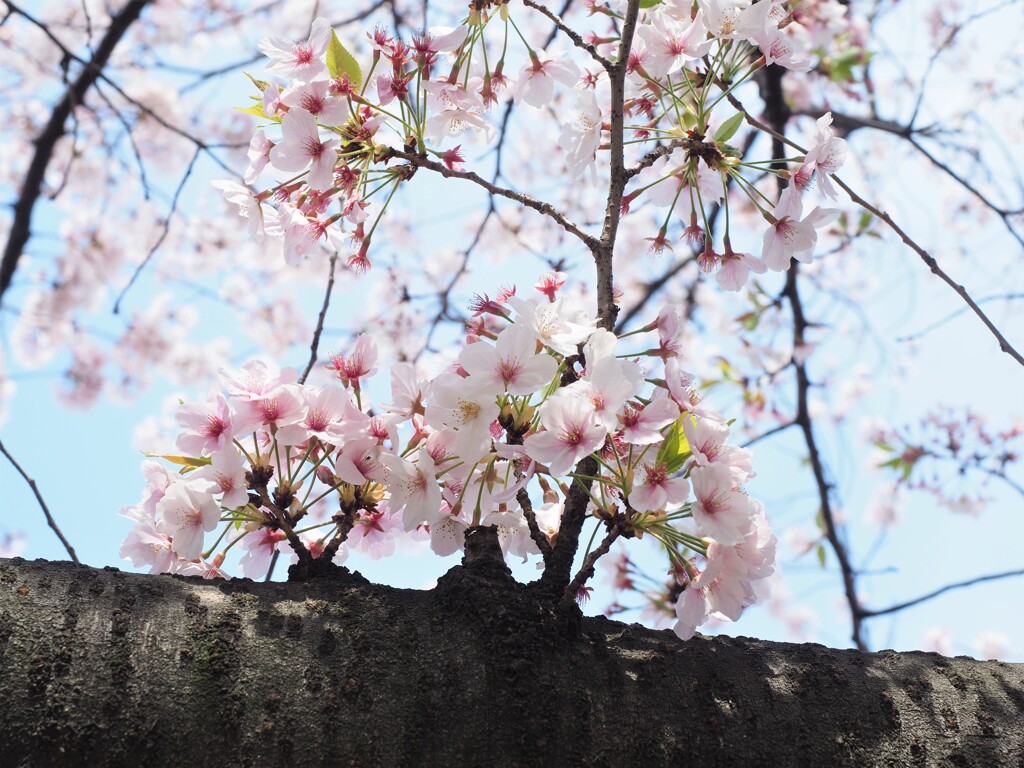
[312, 103]
[572, 436]
[312, 147]
[317, 421]
[508, 369]
[215, 427]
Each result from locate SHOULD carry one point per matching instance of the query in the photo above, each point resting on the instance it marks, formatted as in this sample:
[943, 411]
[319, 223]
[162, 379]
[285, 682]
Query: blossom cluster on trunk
[495, 441]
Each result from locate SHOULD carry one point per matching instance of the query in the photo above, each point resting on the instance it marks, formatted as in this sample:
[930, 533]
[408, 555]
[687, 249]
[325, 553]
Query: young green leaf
[728, 129]
[341, 63]
[675, 450]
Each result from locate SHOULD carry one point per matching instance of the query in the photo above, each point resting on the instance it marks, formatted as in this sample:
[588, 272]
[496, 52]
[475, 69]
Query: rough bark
[104, 668]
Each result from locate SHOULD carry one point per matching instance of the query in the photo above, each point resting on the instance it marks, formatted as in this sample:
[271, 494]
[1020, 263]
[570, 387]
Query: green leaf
[255, 109]
[821, 555]
[728, 129]
[186, 461]
[340, 63]
[649, 3]
[262, 85]
[675, 450]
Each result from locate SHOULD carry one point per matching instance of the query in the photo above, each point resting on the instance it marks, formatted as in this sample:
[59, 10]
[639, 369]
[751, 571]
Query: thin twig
[273, 562]
[538, 536]
[927, 258]
[940, 591]
[541, 207]
[163, 233]
[587, 569]
[39, 497]
[572, 34]
[953, 315]
[314, 345]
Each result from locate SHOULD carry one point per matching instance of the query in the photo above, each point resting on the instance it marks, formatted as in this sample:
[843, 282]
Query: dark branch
[941, 591]
[315, 344]
[54, 130]
[39, 497]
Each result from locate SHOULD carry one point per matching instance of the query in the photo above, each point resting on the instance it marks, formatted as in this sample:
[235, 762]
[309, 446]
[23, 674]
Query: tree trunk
[104, 668]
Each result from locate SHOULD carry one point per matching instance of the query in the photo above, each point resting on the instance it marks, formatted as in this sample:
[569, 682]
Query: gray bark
[99, 667]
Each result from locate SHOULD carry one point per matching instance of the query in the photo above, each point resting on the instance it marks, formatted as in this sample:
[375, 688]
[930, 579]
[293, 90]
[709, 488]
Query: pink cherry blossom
[249, 207]
[512, 365]
[206, 427]
[414, 490]
[325, 413]
[259, 156]
[301, 61]
[184, 514]
[735, 267]
[374, 533]
[826, 156]
[260, 546]
[571, 432]
[550, 282]
[358, 461]
[360, 364]
[641, 425]
[720, 509]
[408, 391]
[147, 546]
[302, 148]
[790, 236]
[691, 612]
[256, 379]
[653, 489]
[555, 325]
[315, 98]
[581, 135]
[468, 410]
[671, 44]
[278, 408]
[225, 474]
[536, 84]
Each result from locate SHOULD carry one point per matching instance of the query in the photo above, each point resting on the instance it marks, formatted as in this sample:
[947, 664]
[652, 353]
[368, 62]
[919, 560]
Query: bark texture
[99, 667]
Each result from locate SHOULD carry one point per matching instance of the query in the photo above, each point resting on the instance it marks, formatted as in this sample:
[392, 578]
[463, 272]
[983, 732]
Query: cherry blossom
[414, 491]
[572, 432]
[314, 97]
[302, 148]
[581, 135]
[537, 79]
[184, 514]
[303, 61]
[224, 475]
[468, 410]
[826, 157]
[555, 324]
[206, 427]
[790, 236]
[512, 365]
[720, 508]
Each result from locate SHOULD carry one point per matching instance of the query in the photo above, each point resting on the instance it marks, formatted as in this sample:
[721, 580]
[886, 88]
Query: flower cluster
[338, 143]
[541, 400]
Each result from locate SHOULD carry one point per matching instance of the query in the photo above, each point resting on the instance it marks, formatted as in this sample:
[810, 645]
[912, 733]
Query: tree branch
[39, 497]
[314, 345]
[54, 130]
[926, 257]
[419, 161]
[941, 591]
[572, 34]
